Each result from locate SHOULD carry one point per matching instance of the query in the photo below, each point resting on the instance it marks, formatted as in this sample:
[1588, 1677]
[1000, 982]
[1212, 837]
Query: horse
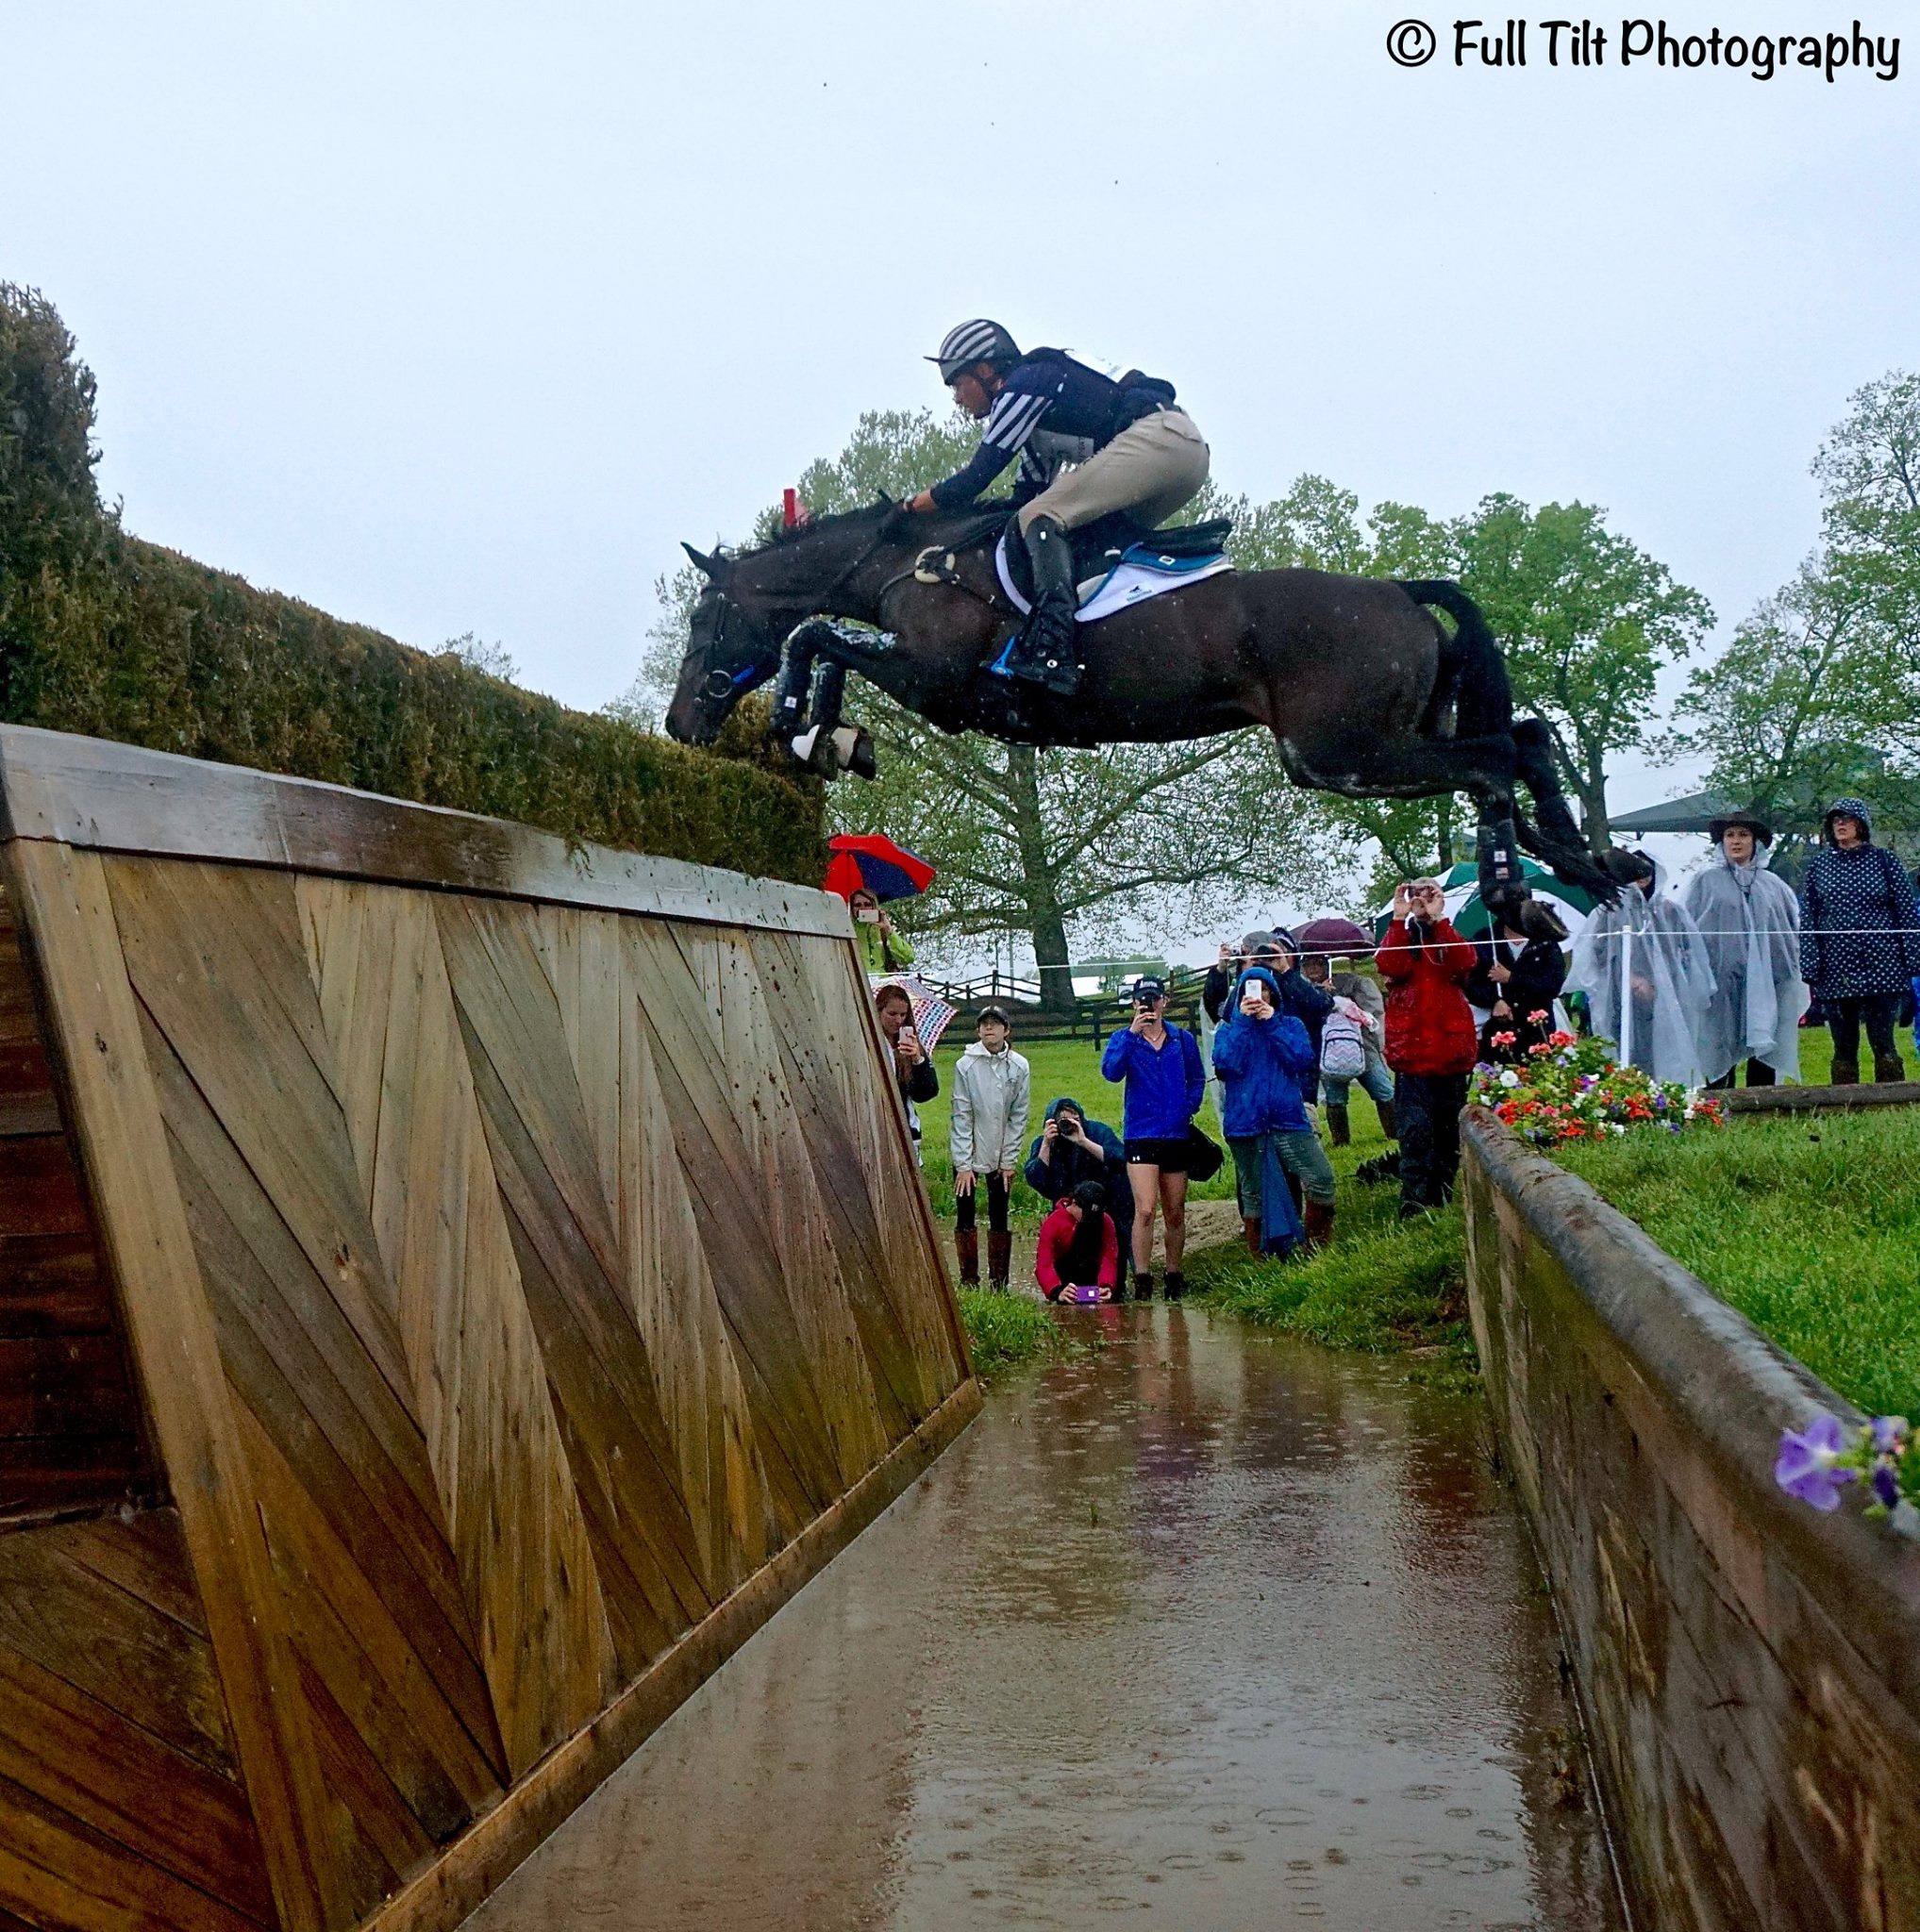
[1366, 693]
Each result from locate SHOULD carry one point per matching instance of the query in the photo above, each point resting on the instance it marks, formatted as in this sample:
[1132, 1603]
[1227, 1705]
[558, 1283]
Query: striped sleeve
[1012, 419]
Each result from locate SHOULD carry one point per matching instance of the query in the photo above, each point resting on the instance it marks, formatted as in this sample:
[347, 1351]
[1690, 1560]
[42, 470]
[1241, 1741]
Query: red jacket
[1430, 1025]
[1057, 1235]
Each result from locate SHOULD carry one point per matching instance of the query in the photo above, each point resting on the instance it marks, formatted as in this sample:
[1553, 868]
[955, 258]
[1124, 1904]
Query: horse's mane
[868, 513]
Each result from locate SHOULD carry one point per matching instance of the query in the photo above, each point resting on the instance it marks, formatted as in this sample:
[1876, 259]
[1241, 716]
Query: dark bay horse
[1365, 692]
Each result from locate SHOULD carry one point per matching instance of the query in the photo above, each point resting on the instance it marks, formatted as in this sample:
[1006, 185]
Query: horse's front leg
[796, 674]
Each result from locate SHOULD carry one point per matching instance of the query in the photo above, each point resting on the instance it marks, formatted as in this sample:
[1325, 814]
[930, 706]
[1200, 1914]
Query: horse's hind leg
[1533, 742]
[1362, 766]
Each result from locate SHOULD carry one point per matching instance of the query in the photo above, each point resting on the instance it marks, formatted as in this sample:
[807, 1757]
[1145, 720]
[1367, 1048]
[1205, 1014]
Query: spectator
[913, 1069]
[1279, 952]
[1265, 1061]
[1671, 981]
[1858, 945]
[1079, 1249]
[1519, 970]
[1341, 1032]
[992, 1095]
[1069, 1151]
[1749, 922]
[1164, 1083]
[1431, 1039]
[882, 949]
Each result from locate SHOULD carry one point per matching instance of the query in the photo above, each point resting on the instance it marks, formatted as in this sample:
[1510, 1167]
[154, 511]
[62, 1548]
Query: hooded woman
[1069, 1151]
[1666, 961]
[1265, 1063]
[1750, 924]
[1859, 946]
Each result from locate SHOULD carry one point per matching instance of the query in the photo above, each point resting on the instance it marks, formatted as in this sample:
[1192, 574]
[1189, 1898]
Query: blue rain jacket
[1261, 1064]
[1165, 1088]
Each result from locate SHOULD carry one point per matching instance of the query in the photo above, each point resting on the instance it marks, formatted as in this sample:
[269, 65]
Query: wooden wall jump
[527, 1285]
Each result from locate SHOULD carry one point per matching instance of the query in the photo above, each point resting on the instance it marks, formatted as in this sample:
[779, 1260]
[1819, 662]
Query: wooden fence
[454, 1286]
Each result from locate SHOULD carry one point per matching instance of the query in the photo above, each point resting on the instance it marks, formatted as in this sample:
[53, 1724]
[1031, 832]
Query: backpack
[1342, 1047]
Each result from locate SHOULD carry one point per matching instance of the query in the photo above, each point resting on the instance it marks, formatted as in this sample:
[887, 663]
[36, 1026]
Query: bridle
[719, 684]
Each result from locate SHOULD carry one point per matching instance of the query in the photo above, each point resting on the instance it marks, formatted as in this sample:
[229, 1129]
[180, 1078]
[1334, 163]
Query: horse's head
[751, 602]
[730, 649]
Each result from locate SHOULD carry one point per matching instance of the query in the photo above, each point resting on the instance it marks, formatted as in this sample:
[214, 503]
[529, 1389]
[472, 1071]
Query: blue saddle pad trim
[1146, 557]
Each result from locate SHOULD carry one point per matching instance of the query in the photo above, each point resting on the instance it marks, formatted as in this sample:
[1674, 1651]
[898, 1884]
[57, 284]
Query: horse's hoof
[863, 764]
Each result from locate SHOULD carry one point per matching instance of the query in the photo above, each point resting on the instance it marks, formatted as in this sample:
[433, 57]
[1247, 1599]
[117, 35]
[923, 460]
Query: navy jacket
[1165, 1088]
[1262, 1064]
[1054, 1179]
[1852, 908]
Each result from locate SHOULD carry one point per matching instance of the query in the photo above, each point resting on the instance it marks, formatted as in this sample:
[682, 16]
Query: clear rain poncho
[1672, 980]
[1750, 924]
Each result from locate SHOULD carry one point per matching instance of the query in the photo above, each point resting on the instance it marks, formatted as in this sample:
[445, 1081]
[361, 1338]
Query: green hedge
[103, 634]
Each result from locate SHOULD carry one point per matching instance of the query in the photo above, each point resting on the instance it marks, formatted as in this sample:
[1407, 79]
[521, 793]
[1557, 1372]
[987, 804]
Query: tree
[1068, 847]
[1819, 693]
[1587, 620]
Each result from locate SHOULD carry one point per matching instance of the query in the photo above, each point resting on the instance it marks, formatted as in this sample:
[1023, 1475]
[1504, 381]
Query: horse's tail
[1472, 674]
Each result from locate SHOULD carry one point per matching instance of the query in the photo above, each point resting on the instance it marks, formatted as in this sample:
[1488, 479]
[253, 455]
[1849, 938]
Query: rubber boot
[1338, 1126]
[1176, 1284]
[1319, 1224]
[1389, 1125]
[1044, 652]
[1249, 1226]
[999, 1260]
[966, 1246]
[1845, 1073]
[1889, 1067]
[1143, 1286]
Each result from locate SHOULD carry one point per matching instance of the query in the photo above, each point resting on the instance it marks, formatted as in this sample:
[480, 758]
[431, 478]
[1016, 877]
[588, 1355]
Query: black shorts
[1170, 1157]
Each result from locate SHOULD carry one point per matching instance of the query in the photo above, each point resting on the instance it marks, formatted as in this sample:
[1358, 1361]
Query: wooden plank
[1821, 1099]
[39, 1193]
[64, 1385]
[146, 1558]
[524, 1557]
[24, 1116]
[596, 1360]
[112, 1647]
[222, 1007]
[52, 1285]
[81, 1757]
[351, 1472]
[97, 796]
[43, 1482]
[57, 1872]
[61, 894]
[670, 1284]
[480, 1861]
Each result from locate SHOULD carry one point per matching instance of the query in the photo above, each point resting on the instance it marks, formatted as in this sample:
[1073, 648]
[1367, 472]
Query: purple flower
[1805, 1467]
[1886, 1486]
[1889, 1431]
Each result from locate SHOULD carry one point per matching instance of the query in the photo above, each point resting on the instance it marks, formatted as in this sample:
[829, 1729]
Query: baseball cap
[1148, 988]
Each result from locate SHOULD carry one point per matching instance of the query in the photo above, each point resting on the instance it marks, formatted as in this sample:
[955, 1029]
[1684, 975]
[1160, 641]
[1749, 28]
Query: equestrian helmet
[979, 340]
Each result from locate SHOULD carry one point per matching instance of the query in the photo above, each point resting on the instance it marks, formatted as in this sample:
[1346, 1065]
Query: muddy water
[1221, 1629]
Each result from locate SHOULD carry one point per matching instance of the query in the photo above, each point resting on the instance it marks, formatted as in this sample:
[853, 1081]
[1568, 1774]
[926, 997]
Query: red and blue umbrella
[871, 859]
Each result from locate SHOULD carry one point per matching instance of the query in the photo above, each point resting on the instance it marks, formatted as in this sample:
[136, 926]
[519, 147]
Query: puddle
[1226, 1630]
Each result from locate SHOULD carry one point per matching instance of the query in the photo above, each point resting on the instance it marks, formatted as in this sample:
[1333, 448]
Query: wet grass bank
[1809, 1226]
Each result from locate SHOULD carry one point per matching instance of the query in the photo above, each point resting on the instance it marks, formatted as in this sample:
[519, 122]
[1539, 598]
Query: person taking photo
[1157, 1066]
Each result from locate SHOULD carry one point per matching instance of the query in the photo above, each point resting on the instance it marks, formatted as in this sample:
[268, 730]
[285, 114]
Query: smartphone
[868, 915]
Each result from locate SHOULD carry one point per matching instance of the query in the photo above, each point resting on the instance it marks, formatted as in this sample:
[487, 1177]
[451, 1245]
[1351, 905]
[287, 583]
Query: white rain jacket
[992, 1095]
[1673, 981]
[1750, 924]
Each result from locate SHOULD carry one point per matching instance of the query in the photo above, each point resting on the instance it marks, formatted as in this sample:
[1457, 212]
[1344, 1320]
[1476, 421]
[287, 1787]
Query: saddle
[1098, 549]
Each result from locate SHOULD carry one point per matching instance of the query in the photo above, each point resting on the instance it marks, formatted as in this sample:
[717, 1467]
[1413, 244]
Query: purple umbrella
[1337, 939]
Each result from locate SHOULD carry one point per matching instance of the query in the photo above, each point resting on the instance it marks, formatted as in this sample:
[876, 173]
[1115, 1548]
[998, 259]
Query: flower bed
[1568, 1089]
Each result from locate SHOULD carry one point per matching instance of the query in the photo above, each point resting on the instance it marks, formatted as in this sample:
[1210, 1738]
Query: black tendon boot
[1043, 651]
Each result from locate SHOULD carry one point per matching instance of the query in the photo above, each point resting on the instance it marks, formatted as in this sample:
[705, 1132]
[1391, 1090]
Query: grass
[1383, 1286]
[1004, 1329]
[1809, 1228]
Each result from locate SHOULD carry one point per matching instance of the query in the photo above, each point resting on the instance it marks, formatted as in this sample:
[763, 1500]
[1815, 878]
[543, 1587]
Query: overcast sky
[457, 319]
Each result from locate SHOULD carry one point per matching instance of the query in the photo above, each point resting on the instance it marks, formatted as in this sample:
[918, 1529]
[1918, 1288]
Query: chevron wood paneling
[522, 1297]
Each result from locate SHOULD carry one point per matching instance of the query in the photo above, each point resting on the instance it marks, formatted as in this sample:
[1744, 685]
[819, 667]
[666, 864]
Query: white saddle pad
[1142, 573]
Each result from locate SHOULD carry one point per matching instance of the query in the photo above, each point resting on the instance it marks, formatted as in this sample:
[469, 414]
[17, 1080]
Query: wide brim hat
[1718, 829]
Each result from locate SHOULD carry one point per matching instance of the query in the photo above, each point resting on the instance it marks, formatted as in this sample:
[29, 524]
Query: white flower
[1510, 1078]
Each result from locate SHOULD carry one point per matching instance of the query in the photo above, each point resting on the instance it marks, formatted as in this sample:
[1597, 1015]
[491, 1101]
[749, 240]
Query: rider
[1131, 447]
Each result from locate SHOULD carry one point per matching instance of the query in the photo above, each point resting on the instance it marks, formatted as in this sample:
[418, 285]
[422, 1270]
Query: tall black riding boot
[1043, 651]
